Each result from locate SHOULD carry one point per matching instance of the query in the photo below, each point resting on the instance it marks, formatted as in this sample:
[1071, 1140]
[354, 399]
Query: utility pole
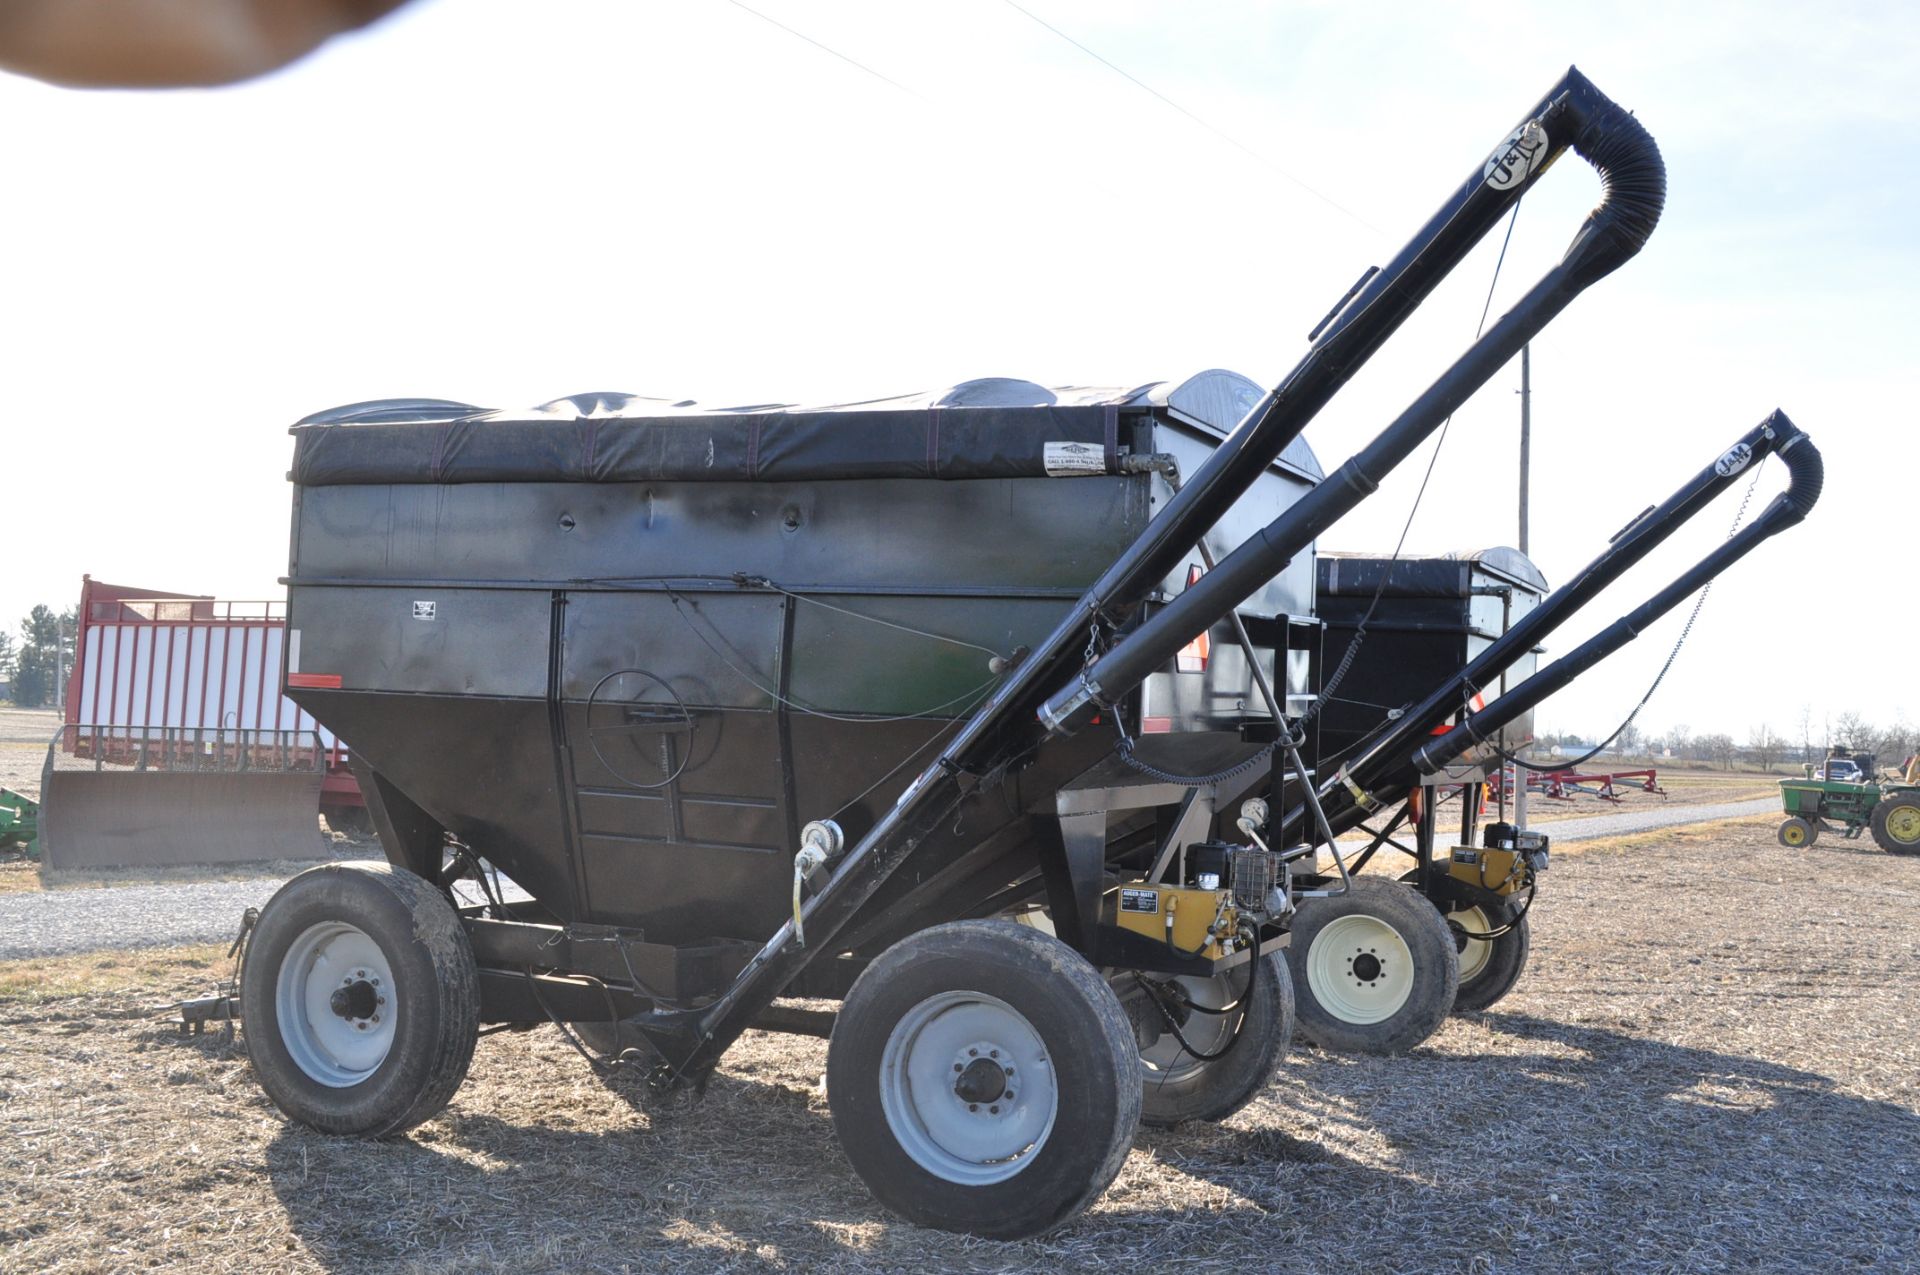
[1526, 433]
[1526, 458]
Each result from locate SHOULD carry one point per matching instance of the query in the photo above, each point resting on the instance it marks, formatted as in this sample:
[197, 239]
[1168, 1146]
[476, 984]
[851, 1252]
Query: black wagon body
[629, 651]
[1418, 621]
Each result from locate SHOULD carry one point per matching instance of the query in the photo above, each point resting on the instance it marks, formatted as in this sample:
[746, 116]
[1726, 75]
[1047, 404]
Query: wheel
[1254, 1032]
[360, 999]
[1797, 832]
[983, 1078]
[1374, 970]
[1489, 968]
[1896, 822]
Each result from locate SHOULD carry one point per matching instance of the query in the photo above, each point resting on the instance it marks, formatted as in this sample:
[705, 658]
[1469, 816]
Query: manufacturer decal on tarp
[1074, 460]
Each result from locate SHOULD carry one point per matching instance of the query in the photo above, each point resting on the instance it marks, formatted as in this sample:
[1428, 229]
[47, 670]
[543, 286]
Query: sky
[504, 203]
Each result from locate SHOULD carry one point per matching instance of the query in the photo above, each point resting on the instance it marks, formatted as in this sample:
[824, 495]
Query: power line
[801, 35]
[1222, 134]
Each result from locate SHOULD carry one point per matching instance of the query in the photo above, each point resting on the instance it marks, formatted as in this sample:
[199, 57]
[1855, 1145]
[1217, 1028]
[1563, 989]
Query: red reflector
[1156, 726]
[314, 681]
[1193, 656]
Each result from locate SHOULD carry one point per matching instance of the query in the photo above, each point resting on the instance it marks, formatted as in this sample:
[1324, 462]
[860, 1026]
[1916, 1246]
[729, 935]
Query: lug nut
[973, 1106]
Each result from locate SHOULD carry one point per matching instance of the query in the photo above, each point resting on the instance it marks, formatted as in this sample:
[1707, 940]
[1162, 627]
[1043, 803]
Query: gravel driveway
[54, 922]
[1626, 821]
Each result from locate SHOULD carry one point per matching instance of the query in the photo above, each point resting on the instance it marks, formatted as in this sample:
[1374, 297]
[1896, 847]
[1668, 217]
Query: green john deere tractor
[1841, 795]
[19, 823]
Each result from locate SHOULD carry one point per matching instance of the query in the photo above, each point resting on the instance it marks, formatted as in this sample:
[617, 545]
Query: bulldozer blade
[116, 819]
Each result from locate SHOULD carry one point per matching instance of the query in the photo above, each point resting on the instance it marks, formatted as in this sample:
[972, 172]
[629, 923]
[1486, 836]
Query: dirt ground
[1708, 1066]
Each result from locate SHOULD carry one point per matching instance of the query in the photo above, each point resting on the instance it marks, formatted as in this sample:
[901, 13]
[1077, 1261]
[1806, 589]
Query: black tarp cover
[365, 445]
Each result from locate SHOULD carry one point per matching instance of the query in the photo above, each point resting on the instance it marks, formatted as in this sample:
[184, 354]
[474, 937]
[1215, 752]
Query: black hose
[1246, 997]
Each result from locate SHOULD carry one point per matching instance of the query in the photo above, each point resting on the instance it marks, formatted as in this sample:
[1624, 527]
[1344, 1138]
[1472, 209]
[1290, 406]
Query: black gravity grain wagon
[981, 714]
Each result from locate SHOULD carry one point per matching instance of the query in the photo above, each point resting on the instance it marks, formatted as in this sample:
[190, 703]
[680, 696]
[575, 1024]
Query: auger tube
[1574, 113]
[1787, 509]
[1386, 755]
[1635, 186]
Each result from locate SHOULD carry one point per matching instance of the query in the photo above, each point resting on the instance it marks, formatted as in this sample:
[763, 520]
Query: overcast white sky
[505, 203]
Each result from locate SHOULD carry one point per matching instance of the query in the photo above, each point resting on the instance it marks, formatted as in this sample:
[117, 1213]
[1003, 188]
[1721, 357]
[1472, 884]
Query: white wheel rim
[1360, 969]
[959, 1046]
[336, 1004]
[1475, 955]
[1168, 1061]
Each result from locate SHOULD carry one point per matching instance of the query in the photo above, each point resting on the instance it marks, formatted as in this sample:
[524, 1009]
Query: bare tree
[1678, 740]
[1719, 748]
[1896, 743]
[1628, 742]
[1852, 730]
[1765, 746]
[1806, 732]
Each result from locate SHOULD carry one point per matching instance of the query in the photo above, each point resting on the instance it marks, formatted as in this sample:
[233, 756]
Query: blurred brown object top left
[170, 43]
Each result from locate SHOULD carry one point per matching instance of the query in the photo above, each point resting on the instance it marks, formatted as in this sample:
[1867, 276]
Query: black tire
[1489, 968]
[1178, 1087]
[1053, 1009]
[1366, 1012]
[433, 996]
[1896, 822]
[1797, 833]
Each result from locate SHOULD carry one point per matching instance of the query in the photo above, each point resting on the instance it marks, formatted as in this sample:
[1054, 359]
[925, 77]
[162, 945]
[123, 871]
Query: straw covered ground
[1711, 1065]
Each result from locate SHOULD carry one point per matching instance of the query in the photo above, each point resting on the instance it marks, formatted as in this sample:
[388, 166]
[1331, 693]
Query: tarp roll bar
[1574, 113]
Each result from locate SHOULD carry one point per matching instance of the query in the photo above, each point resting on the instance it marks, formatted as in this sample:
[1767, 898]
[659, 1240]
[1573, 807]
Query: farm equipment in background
[986, 713]
[1566, 785]
[19, 823]
[1891, 811]
[197, 755]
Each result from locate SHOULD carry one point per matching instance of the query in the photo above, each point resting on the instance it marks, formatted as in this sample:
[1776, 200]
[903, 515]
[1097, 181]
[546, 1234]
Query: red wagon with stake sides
[197, 754]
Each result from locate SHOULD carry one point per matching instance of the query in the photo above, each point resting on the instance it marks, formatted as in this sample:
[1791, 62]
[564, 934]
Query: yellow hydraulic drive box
[1145, 909]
